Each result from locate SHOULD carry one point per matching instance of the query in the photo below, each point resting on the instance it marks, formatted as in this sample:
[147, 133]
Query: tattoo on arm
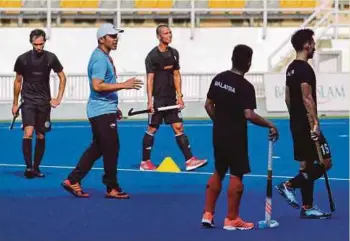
[309, 101]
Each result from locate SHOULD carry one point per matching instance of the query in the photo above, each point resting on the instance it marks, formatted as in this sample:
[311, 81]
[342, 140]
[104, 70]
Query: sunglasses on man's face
[113, 36]
[38, 44]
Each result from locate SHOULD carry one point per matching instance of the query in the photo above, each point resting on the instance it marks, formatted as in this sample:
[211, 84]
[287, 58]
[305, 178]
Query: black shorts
[305, 148]
[169, 116]
[234, 158]
[37, 116]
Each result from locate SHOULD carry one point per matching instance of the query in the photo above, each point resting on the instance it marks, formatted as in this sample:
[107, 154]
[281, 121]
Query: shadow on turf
[21, 174]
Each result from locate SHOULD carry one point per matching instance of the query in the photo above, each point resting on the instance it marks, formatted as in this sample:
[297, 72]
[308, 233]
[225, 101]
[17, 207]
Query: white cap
[107, 29]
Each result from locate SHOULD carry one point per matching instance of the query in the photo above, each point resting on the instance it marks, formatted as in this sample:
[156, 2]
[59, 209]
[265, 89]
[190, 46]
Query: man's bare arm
[256, 119]
[309, 102]
[210, 108]
[150, 79]
[100, 86]
[62, 85]
[17, 88]
[177, 83]
[287, 98]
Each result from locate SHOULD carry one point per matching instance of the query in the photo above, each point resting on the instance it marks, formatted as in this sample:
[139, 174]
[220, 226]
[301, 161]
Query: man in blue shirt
[103, 112]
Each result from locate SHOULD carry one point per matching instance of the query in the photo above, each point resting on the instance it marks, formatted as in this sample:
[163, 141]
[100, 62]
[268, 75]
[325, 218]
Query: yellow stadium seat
[290, 3]
[153, 4]
[227, 4]
[298, 4]
[79, 4]
[309, 4]
[11, 4]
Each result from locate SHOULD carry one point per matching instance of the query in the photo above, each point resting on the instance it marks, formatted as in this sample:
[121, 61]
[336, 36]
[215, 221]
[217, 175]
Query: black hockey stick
[145, 111]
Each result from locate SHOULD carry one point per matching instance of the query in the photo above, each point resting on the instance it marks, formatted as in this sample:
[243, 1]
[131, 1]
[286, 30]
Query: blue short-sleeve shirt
[100, 67]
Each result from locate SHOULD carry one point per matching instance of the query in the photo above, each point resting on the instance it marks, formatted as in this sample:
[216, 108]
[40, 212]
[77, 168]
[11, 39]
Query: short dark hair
[36, 33]
[241, 57]
[159, 27]
[301, 37]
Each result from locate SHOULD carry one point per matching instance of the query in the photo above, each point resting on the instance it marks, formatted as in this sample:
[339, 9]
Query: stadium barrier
[333, 95]
[332, 92]
[194, 87]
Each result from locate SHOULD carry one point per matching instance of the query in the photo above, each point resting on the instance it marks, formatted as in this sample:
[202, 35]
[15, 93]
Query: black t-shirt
[36, 70]
[299, 72]
[231, 94]
[163, 64]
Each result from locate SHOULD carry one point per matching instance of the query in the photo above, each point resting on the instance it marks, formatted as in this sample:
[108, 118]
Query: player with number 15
[301, 101]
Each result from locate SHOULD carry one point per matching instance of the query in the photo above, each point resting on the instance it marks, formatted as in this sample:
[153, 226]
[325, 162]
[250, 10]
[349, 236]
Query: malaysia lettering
[224, 86]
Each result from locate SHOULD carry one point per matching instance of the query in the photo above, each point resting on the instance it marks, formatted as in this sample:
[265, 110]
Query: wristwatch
[180, 95]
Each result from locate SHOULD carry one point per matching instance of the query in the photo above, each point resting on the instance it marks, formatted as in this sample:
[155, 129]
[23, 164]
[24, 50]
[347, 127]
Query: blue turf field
[163, 206]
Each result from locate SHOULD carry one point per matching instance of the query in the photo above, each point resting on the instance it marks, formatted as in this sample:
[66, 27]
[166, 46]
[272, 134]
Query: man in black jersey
[33, 82]
[301, 101]
[230, 103]
[164, 89]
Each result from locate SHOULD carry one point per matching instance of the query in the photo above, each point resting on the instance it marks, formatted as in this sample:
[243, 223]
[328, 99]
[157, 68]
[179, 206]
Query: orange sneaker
[208, 220]
[195, 163]
[74, 189]
[237, 224]
[117, 193]
[147, 166]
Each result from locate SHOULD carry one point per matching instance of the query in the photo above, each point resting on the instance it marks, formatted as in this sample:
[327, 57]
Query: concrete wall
[209, 51]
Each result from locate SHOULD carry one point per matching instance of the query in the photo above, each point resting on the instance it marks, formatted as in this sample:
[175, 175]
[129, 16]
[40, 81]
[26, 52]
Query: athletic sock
[147, 143]
[39, 152]
[27, 151]
[307, 192]
[184, 145]
[315, 172]
[297, 181]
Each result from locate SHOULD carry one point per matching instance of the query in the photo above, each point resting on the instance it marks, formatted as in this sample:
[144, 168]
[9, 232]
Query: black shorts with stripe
[168, 116]
[305, 148]
[37, 116]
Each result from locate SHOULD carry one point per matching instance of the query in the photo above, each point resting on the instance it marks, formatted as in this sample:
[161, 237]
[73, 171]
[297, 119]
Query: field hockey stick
[15, 115]
[268, 223]
[145, 111]
[320, 157]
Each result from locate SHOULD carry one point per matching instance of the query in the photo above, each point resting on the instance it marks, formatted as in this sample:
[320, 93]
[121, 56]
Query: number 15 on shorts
[325, 149]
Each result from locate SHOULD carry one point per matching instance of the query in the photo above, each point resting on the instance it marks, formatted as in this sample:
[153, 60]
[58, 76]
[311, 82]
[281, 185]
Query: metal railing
[194, 86]
[193, 11]
[319, 23]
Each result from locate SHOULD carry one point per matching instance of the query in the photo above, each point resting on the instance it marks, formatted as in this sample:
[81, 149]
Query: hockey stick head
[139, 112]
[268, 224]
[16, 115]
[130, 112]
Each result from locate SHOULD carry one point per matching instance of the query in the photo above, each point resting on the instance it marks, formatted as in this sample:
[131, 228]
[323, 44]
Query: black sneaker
[314, 213]
[38, 173]
[29, 173]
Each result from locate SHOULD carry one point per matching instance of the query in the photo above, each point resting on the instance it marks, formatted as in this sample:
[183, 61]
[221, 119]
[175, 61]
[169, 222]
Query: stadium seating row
[284, 5]
[165, 3]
